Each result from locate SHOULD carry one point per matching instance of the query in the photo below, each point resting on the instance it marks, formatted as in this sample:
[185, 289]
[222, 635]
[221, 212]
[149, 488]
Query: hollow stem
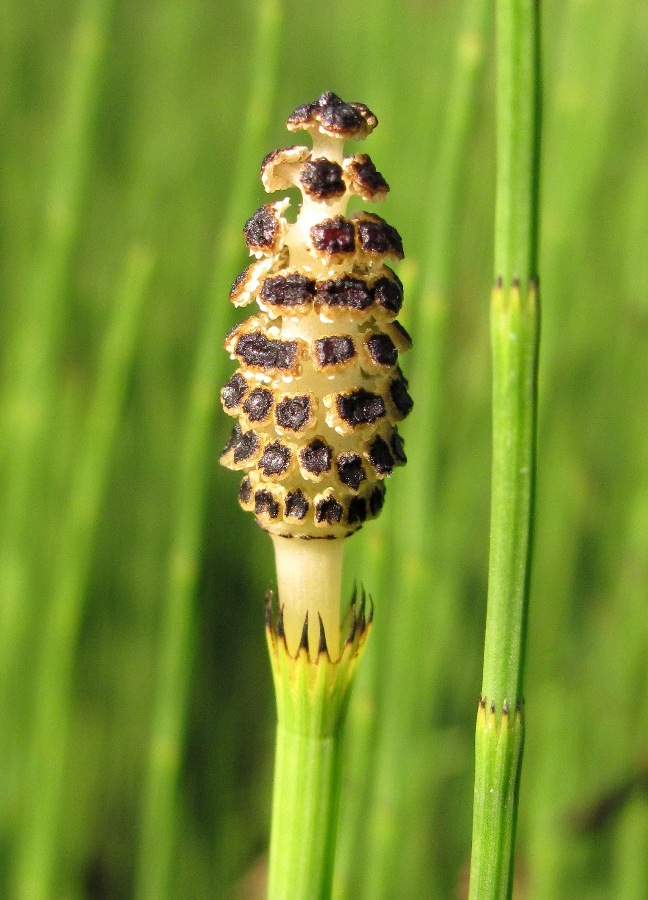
[518, 132]
[500, 736]
[304, 815]
[515, 330]
[312, 698]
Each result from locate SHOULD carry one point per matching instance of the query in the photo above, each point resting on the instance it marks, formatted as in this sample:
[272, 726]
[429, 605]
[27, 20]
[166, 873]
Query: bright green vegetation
[127, 166]
[312, 701]
[515, 345]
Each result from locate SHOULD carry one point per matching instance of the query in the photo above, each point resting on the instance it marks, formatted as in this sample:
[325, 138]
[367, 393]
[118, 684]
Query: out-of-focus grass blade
[174, 663]
[28, 391]
[45, 777]
[580, 131]
[404, 684]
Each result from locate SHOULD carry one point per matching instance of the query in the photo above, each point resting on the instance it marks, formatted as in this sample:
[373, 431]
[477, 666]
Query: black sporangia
[318, 391]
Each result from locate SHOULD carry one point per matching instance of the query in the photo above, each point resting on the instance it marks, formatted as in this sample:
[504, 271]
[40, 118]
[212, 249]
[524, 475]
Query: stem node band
[515, 336]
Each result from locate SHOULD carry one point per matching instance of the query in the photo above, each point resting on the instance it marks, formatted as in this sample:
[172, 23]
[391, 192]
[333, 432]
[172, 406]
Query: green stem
[518, 113]
[498, 754]
[304, 815]
[312, 695]
[514, 337]
[515, 329]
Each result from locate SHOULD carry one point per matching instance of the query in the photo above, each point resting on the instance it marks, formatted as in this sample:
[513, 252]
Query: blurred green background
[136, 709]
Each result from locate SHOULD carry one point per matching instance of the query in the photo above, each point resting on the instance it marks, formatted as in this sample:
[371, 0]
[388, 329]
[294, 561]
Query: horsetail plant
[317, 398]
[515, 335]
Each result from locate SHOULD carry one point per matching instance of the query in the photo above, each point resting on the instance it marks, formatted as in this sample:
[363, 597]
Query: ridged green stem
[498, 754]
[515, 328]
[518, 115]
[304, 815]
[514, 337]
[312, 694]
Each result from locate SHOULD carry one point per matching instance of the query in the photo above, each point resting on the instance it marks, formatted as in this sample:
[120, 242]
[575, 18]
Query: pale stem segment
[309, 577]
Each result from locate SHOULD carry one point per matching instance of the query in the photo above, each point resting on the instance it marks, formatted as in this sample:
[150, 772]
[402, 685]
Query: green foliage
[124, 127]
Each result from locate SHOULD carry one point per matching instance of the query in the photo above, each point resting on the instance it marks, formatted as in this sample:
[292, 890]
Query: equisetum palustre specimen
[318, 392]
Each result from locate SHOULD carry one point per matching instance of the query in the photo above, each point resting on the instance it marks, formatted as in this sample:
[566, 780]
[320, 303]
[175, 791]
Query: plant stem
[518, 130]
[304, 814]
[310, 575]
[514, 335]
[312, 695]
[515, 338]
